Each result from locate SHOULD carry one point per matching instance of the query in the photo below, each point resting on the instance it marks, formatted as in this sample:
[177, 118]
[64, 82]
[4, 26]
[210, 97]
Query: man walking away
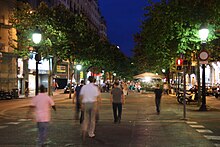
[158, 93]
[41, 105]
[117, 99]
[89, 94]
[78, 101]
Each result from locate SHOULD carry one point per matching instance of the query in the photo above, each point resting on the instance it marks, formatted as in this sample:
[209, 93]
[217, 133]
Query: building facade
[89, 8]
[8, 60]
[13, 70]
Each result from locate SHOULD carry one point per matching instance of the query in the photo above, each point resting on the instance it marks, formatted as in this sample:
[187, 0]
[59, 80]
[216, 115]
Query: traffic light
[179, 64]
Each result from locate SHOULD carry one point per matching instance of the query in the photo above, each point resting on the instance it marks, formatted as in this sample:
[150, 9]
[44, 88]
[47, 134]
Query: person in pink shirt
[41, 104]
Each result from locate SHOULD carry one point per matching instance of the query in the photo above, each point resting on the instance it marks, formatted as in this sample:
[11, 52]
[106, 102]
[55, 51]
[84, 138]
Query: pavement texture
[140, 125]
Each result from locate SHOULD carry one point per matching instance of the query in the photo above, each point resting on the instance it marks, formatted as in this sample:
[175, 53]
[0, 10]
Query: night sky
[123, 19]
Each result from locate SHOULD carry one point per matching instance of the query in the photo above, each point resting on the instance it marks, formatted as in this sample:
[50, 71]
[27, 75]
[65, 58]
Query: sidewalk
[211, 102]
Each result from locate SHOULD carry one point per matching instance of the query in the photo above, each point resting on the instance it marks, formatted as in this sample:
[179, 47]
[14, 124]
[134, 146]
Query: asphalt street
[140, 125]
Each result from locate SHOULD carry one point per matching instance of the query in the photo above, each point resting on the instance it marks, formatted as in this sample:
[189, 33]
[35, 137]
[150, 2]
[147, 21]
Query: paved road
[140, 125]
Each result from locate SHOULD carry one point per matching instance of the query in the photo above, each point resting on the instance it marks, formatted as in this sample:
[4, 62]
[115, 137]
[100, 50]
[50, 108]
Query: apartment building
[13, 70]
[88, 8]
[8, 60]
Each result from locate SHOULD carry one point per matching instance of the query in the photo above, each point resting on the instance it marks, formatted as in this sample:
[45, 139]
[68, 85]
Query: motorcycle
[216, 92]
[190, 97]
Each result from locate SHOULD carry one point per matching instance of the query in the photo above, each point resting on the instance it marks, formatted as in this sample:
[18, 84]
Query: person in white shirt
[89, 94]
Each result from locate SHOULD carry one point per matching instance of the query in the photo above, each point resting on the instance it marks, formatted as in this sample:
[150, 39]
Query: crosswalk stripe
[197, 126]
[2, 127]
[13, 123]
[191, 122]
[212, 137]
[204, 131]
[24, 119]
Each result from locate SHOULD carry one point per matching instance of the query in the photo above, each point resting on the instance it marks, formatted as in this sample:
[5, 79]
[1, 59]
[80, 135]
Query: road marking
[197, 126]
[32, 130]
[2, 127]
[204, 131]
[191, 122]
[13, 123]
[160, 121]
[212, 137]
[24, 119]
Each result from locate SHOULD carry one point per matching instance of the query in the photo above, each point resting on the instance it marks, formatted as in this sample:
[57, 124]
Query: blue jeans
[117, 110]
[42, 132]
[157, 101]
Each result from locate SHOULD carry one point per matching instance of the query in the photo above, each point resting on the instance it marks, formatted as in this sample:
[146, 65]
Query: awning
[147, 74]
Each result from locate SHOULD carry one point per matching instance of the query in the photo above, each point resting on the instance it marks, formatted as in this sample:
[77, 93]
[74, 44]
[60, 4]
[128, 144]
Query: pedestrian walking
[117, 99]
[158, 93]
[166, 88]
[78, 101]
[41, 104]
[99, 100]
[89, 94]
[125, 89]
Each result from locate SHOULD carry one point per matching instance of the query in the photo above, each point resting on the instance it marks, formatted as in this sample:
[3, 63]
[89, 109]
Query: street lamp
[36, 38]
[78, 68]
[203, 56]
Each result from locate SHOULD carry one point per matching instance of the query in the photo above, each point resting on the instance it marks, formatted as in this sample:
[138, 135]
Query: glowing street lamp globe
[203, 34]
[36, 36]
[78, 67]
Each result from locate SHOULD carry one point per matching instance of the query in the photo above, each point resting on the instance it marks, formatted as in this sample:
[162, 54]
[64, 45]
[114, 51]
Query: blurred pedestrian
[166, 88]
[89, 94]
[99, 100]
[125, 89]
[117, 99]
[78, 101]
[158, 93]
[41, 104]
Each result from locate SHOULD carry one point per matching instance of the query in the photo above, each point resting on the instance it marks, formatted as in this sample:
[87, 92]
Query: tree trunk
[198, 82]
[71, 78]
[71, 81]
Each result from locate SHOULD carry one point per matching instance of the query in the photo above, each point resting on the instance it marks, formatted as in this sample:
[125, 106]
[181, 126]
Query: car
[67, 88]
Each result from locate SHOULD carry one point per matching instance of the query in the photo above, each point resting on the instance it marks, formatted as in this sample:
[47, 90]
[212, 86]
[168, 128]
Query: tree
[58, 26]
[66, 36]
[171, 28]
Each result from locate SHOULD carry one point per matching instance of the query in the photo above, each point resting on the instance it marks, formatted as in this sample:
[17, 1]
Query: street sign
[203, 62]
[203, 55]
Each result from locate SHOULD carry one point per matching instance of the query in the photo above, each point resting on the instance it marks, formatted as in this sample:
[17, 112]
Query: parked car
[67, 88]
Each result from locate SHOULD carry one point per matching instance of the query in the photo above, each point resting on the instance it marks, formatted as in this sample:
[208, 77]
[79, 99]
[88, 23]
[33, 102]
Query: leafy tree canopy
[171, 28]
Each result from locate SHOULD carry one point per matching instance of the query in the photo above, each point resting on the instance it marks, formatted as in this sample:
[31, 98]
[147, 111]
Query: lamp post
[36, 37]
[78, 68]
[203, 56]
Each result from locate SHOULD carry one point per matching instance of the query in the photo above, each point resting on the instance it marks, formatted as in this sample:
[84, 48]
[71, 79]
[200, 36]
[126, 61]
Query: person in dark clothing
[158, 93]
[117, 99]
[78, 101]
